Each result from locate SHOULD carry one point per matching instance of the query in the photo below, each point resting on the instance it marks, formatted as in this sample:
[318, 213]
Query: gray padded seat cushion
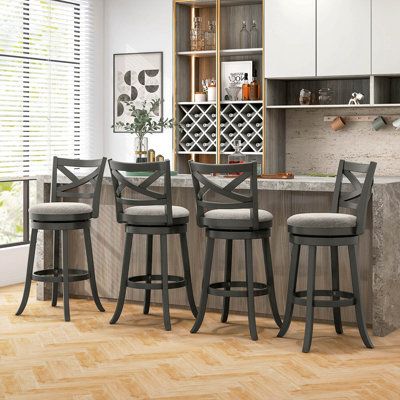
[237, 213]
[154, 215]
[60, 211]
[235, 219]
[322, 220]
[177, 211]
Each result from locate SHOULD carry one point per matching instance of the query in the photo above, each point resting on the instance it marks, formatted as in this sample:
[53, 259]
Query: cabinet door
[385, 37]
[343, 37]
[289, 38]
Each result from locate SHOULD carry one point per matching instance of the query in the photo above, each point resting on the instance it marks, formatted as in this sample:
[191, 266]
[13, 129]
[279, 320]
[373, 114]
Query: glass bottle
[210, 36]
[254, 87]
[244, 37]
[237, 157]
[246, 88]
[197, 35]
[254, 35]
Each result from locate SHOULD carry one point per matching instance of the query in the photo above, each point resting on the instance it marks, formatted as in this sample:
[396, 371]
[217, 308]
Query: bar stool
[330, 229]
[152, 214]
[59, 216]
[233, 216]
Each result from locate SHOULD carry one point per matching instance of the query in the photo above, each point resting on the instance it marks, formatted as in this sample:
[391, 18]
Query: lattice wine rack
[239, 120]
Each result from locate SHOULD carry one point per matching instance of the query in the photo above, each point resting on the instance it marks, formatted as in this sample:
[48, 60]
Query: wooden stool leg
[335, 287]
[187, 274]
[251, 313]
[164, 278]
[294, 267]
[270, 281]
[312, 251]
[124, 278]
[67, 316]
[90, 263]
[356, 290]
[206, 282]
[228, 273]
[149, 267]
[29, 271]
[56, 266]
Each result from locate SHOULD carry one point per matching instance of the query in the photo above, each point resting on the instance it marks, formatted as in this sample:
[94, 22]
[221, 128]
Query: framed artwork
[137, 78]
[232, 74]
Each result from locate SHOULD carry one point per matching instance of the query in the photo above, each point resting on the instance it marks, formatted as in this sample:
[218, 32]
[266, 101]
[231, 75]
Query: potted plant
[144, 123]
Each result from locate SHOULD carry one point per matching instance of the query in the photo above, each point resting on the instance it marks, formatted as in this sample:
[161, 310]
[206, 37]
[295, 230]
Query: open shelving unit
[205, 131]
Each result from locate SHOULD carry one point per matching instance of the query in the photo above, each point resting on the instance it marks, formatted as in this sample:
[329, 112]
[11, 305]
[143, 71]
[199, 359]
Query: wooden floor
[42, 357]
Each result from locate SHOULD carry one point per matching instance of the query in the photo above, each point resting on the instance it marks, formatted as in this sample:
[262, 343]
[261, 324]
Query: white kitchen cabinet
[385, 37]
[344, 37]
[290, 38]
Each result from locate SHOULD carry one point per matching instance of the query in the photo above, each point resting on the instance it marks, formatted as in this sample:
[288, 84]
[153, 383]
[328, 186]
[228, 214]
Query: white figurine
[356, 98]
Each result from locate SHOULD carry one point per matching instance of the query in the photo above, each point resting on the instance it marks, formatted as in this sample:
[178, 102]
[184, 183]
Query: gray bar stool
[152, 214]
[330, 229]
[231, 215]
[59, 217]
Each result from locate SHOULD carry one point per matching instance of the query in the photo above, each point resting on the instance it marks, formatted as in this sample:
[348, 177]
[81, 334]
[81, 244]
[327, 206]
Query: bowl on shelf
[233, 92]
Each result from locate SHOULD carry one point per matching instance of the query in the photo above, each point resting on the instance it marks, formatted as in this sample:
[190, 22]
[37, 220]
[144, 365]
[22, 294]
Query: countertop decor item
[278, 175]
[396, 124]
[137, 79]
[141, 124]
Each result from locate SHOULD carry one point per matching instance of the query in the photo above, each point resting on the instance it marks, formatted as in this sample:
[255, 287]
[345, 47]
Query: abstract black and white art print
[137, 78]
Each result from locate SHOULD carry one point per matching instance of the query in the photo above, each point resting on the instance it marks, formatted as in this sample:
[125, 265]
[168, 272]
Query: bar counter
[378, 251]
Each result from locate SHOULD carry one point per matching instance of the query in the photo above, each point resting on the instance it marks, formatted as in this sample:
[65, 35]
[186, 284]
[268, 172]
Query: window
[44, 63]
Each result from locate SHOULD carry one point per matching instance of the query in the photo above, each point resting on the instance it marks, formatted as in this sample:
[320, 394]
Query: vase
[141, 147]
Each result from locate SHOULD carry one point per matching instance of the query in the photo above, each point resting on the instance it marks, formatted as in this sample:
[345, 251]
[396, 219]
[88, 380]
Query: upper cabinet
[385, 37]
[290, 38]
[343, 37]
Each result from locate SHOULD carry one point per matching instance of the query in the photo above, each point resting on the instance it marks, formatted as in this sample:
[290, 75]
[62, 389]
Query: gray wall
[312, 146]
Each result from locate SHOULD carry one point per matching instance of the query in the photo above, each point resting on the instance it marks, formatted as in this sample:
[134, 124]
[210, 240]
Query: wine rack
[244, 122]
[197, 128]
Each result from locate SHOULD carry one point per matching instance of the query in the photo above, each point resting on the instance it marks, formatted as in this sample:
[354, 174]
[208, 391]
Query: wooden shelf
[223, 53]
[241, 52]
[327, 106]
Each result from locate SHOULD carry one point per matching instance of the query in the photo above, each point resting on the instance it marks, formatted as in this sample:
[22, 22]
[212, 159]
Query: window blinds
[44, 65]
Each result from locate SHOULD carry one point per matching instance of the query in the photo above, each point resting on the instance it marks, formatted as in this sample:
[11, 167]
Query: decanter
[197, 36]
[237, 157]
[209, 36]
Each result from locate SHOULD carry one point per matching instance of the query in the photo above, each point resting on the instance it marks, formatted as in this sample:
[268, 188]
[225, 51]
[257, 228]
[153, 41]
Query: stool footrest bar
[147, 282]
[53, 275]
[345, 299]
[224, 289]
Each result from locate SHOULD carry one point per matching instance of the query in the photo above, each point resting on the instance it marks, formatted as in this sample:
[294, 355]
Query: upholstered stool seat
[155, 215]
[235, 219]
[324, 224]
[60, 211]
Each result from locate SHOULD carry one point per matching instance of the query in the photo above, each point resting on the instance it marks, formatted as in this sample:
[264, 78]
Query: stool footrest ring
[54, 275]
[146, 282]
[224, 289]
[345, 299]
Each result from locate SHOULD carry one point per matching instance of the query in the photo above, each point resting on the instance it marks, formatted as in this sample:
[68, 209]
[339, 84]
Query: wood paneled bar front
[378, 250]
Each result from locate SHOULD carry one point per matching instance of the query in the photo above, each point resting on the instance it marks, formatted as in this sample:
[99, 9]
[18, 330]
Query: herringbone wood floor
[42, 357]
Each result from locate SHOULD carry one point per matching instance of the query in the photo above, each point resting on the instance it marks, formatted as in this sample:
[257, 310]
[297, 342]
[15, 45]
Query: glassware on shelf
[325, 96]
[233, 92]
[197, 42]
[209, 36]
[237, 157]
[244, 37]
[305, 97]
[254, 35]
